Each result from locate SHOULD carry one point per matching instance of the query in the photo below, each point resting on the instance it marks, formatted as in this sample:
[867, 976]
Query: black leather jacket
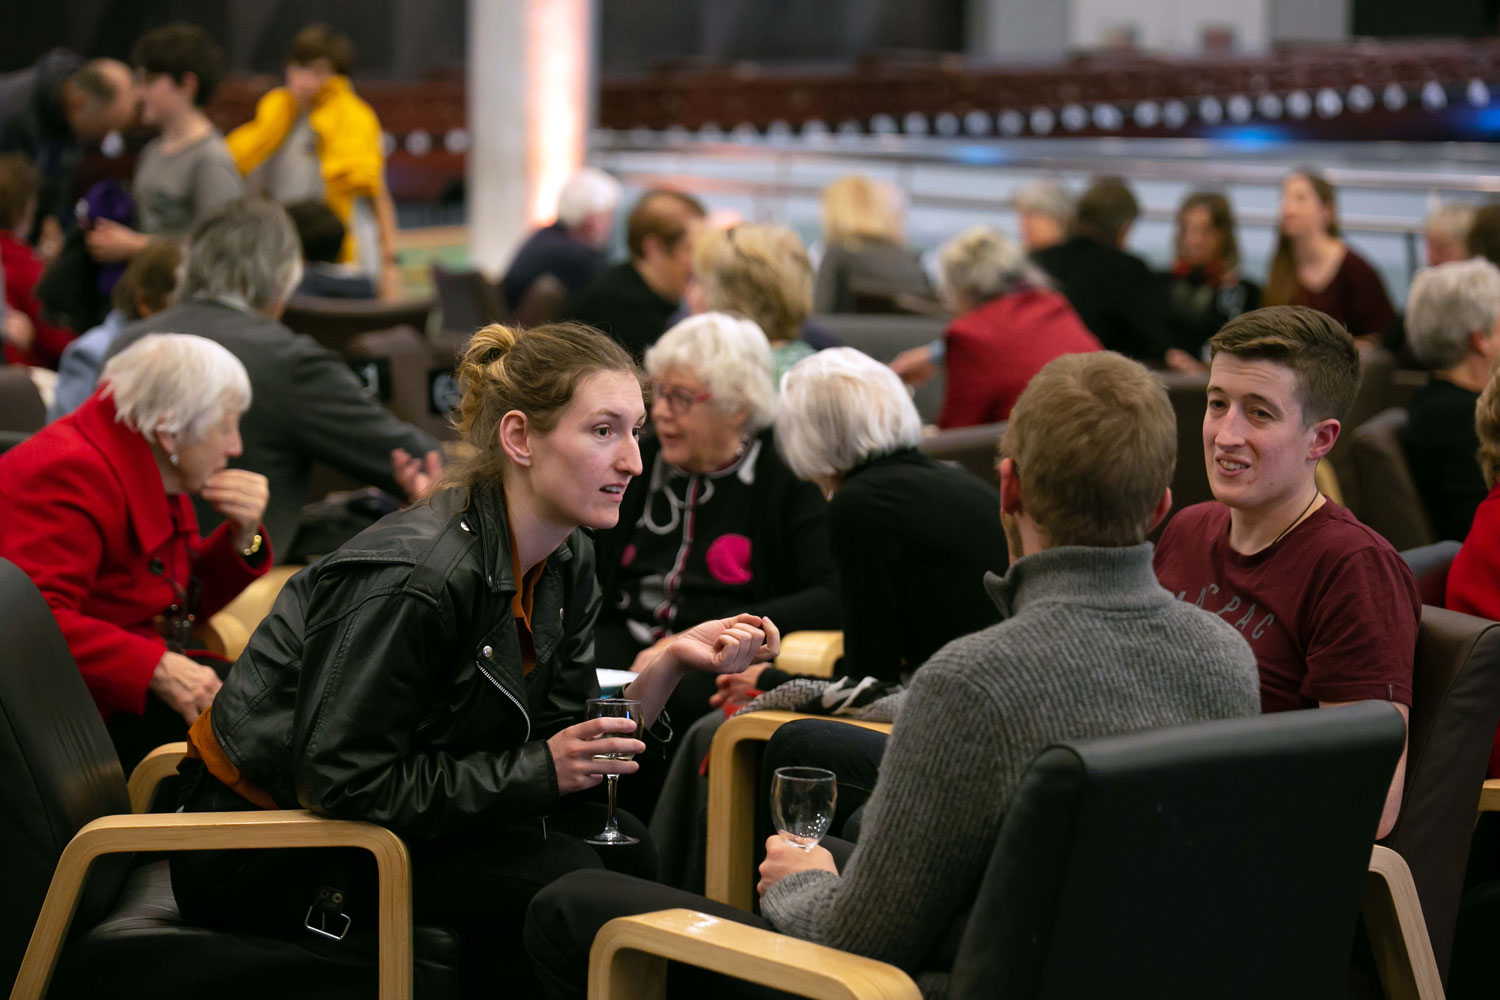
[386, 683]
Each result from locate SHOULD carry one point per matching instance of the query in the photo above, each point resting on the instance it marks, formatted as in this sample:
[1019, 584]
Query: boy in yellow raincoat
[315, 138]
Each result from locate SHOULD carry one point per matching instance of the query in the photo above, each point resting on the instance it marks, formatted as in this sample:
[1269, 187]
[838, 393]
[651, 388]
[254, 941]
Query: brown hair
[1487, 426]
[857, 208]
[151, 276]
[1220, 217]
[664, 214]
[1094, 442]
[535, 371]
[178, 49]
[1104, 209]
[759, 271]
[1484, 234]
[19, 182]
[1313, 344]
[1282, 287]
[319, 41]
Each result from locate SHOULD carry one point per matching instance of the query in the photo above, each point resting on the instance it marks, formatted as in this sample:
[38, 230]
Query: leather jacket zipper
[501, 688]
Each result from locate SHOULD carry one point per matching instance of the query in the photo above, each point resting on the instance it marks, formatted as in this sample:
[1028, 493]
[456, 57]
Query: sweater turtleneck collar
[1077, 574]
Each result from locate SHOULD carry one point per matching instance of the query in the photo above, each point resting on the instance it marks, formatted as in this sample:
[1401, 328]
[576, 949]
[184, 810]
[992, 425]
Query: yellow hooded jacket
[349, 149]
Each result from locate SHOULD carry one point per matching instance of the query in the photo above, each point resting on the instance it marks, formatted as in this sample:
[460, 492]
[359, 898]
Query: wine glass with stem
[802, 801]
[614, 708]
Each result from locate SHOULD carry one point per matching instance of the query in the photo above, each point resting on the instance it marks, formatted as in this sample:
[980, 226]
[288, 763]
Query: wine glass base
[612, 839]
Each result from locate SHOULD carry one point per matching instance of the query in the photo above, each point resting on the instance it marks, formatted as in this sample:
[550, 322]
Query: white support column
[530, 77]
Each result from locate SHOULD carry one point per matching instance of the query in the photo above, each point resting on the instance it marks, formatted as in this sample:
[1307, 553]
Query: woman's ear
[165, 440]
[515, 438]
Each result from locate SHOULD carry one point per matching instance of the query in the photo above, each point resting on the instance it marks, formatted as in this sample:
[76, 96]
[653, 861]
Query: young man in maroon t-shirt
[1327, 605]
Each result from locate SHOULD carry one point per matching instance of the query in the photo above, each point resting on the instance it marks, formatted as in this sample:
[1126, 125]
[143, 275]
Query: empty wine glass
[802, 801]
[614, 708]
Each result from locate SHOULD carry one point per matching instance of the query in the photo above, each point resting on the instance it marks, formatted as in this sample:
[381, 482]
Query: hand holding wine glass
[573, 752]
[802, 801]
[615, 752]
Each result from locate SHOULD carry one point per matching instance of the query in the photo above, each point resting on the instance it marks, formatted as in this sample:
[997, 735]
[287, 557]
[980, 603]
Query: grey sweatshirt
[1090, 645]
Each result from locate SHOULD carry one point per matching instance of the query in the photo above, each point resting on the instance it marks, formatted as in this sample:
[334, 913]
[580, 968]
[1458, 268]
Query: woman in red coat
[96, 509]
[1011, 324]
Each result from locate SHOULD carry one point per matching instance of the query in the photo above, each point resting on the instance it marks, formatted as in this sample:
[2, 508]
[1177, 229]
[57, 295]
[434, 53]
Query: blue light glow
[1251, 137]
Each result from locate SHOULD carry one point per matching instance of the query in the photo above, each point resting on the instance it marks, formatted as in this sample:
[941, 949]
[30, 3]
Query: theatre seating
[1455, 706]
[332, 322]
[1385, 497]
[975, 448]
[466, 300]
[884, 337]
[1227, 859]
[1377, 393]
[64, 817]
[1189, 397]
[545, 301]
[1430, 565]
[732, 759]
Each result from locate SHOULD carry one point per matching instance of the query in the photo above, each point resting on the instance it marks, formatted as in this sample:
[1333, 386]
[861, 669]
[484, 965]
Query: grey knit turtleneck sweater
[1091, 645]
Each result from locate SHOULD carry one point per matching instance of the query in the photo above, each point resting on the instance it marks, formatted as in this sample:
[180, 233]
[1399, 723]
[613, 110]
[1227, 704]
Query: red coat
[84, 514]
[23, 269]
[1474, 579]
[994, 350]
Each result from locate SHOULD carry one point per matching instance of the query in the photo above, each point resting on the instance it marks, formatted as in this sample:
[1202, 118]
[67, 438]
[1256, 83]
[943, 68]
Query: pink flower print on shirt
[628, 556]
[728, 559]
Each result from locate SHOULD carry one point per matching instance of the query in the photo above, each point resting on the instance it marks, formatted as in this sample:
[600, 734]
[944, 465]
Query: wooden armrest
[1398, 931]
[150, 772]
[238, 619]
[630, 954]
[729, 876]
[809, 653]
[1489, 796]
[225, 831]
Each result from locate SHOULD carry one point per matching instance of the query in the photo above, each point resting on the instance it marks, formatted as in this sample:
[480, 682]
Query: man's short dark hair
[95, 85]
[178, 49]
[662, 213]
[19, 182]
[320, 41]
[1484, 234]
[150, 278]
[1313, 344]
[1104, 210]
[320, 230]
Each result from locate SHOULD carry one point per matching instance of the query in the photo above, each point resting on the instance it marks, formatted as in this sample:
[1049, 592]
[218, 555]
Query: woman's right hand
[574, 748]
[184, 684]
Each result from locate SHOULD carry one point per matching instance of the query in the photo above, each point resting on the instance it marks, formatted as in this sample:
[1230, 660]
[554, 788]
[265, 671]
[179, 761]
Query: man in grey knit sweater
[1090, 645]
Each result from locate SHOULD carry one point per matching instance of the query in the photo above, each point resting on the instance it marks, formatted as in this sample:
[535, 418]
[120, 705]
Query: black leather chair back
[884, 337]
[1430, 565]
[975, 448]
[21, 406]
[399, 363]
[1226, 859]
[334, 322]
[1455, 708]
[466, 299]
[545, 301]
[1189, 397]
[1377, 393]
[58, 765]
[1386, 497]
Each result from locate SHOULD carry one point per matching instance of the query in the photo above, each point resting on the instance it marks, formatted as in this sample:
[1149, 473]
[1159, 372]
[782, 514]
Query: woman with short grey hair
[248, 254]
[99, 515]
[1453, 326]
[716, 522]
[1011, 324]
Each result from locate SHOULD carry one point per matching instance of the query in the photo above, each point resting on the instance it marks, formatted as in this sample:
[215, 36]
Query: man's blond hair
[1094, 442]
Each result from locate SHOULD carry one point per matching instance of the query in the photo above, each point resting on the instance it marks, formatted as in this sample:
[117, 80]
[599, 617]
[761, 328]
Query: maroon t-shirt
[1330, 610]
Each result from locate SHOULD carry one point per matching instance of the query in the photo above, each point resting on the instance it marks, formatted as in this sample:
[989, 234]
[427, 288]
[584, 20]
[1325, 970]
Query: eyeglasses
[678, 400]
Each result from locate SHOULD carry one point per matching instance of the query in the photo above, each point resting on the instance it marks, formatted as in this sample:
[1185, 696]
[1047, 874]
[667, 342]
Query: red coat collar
[129, 457]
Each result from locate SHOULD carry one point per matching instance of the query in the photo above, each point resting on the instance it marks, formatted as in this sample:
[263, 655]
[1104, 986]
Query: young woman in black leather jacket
[431, 675]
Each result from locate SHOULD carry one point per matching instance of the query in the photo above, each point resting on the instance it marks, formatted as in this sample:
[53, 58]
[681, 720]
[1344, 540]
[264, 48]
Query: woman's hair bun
[488, 345]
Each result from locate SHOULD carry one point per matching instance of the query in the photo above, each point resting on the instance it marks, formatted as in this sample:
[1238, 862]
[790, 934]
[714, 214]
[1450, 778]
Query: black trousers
[565, 917]
[852, 753]
[478, 885]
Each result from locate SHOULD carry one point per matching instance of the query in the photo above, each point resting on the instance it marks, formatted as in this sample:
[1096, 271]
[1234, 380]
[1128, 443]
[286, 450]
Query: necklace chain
[1298, 519]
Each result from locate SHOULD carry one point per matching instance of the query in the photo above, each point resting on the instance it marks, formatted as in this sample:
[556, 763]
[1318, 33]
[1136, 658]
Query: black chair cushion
[143, 950]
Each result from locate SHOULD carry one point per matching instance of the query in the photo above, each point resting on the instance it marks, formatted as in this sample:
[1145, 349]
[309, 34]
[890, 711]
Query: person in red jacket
[95, 508]
[28, 338]
[1474, 578]
[1011, 324]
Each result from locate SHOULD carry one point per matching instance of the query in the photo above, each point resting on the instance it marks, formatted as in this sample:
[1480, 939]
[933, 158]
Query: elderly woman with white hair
[98, 512]
[716, 524]
[1453, 327]
[1011, 324]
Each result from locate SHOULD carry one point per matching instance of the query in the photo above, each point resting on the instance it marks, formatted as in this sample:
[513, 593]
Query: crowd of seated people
[666, 483]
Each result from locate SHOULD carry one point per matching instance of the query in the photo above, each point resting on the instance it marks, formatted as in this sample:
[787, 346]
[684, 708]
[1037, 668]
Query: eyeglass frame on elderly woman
[679, 401]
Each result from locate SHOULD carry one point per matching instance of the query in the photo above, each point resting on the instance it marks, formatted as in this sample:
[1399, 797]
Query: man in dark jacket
[1113, 292]
[571, 249]
[48, 110]
[243, 263]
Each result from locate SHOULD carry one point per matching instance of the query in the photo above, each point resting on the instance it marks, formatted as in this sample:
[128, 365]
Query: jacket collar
[130, 459]
[1077, 574]
[487, 507]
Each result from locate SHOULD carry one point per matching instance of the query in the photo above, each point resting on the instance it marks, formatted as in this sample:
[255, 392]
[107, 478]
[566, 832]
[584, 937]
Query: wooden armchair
[228, 632]
[1122, 869]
